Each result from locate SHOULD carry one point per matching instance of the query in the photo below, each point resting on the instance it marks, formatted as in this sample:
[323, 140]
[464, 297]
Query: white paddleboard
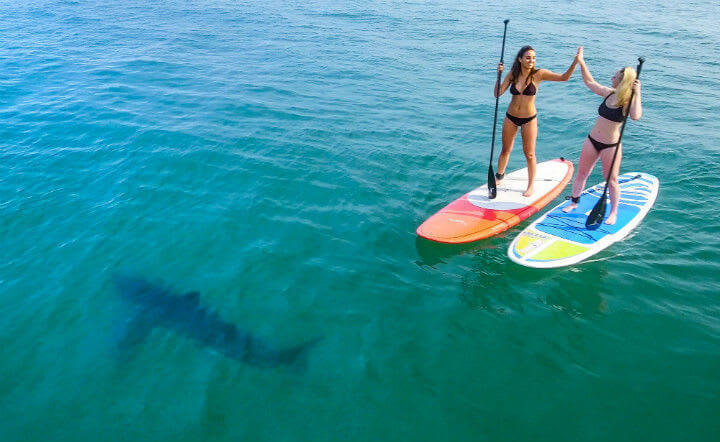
[560, 239]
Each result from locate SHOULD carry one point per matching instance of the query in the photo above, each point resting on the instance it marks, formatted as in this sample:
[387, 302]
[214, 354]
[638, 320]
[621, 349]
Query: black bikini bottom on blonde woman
[517, 121]
[600, 146]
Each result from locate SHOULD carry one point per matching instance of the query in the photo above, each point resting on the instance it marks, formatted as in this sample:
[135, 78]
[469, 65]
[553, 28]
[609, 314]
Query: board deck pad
[559, 239]
[474, 216]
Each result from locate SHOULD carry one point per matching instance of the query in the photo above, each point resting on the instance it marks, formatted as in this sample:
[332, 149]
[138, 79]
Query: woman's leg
[529, 132]
[613, 186]
[588, 156]
[509, 131]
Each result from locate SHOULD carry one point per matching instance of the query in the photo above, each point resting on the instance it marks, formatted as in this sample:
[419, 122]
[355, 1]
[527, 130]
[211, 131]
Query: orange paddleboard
[474, 216]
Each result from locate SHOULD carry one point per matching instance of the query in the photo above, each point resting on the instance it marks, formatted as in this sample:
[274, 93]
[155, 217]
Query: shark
[156, 305]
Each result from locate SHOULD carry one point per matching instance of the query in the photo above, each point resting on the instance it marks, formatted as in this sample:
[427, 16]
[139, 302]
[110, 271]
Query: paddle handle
[502, 52]
[641, 60]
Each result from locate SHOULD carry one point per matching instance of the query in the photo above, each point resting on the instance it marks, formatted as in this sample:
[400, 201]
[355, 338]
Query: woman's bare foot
[529, 191]
[570, 207]
[611, 218]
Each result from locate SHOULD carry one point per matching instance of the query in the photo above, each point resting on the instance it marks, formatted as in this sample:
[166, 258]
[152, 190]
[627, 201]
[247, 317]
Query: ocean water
[276, 157]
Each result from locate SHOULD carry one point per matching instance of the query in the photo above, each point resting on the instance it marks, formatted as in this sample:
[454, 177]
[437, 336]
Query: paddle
[492, 186]
[597, 215]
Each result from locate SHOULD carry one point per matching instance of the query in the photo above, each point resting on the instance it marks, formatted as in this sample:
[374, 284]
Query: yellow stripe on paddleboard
[528, 242]
[559, 250]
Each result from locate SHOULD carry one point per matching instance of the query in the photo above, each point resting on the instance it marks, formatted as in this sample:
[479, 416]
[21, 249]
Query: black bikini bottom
[600, 146]
[517, 121]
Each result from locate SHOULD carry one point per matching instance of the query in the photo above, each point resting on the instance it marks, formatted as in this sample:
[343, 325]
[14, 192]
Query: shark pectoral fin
[135, 331]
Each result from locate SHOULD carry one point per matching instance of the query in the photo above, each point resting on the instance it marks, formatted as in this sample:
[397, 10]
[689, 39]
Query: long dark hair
[515, 72]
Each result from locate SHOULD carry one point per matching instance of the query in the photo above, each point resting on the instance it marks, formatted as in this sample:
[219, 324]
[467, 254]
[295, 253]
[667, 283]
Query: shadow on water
[155, 305]
[433, 253]
[579, 289]
[498, 285]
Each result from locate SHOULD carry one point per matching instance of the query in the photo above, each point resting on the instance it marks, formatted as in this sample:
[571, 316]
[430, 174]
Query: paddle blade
[492, 186]
[597, 215]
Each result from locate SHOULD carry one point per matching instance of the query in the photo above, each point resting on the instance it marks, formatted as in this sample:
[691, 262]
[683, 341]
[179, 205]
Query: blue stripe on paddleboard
[633, 200]
[571, 226]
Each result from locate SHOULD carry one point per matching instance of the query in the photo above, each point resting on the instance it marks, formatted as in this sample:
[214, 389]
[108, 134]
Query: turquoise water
[276, 157]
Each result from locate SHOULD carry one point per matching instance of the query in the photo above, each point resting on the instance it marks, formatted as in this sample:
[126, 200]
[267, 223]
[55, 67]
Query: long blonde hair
[624, 88]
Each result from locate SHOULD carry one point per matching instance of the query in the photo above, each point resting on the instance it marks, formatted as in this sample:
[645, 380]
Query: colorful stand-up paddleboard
[559, 239]
[474, 216]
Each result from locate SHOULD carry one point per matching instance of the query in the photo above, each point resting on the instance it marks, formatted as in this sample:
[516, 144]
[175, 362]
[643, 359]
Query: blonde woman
[602, 140]
[521, 113]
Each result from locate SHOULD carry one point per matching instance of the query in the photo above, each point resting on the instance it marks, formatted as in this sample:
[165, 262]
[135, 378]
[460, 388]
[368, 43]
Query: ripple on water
[277, 158]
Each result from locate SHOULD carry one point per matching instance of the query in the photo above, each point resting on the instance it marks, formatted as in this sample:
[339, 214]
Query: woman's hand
[500, 68]
[636, 87]
[580, 56]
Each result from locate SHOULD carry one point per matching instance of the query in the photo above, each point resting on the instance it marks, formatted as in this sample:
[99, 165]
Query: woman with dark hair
[602, 140]
[523, 81]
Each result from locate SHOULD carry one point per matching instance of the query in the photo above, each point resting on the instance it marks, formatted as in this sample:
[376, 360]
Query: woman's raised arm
[546, 75]
[587, 77]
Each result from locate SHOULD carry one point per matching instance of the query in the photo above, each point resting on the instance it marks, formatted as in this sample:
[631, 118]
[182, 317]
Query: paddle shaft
[492, 187]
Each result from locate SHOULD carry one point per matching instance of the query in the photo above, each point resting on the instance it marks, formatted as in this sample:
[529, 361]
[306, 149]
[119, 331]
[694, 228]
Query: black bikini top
[612, 114]
[529, 89]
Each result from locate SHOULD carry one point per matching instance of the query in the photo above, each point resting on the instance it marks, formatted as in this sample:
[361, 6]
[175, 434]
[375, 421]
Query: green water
[276, 157]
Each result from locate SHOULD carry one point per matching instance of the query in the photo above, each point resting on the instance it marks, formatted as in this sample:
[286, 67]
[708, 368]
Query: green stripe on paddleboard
[559, 250]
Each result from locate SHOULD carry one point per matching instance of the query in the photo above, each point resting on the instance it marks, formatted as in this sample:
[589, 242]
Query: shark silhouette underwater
[157, 306]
